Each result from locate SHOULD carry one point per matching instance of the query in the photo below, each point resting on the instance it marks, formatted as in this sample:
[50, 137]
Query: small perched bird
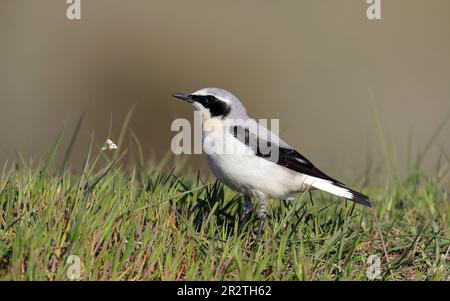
[278, 174]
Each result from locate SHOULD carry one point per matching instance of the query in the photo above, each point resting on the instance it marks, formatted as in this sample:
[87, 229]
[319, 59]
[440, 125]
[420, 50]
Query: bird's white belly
[245, 172]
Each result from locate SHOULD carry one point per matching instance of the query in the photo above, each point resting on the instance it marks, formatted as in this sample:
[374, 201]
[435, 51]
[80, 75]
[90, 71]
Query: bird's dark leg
[262, 216]
[248, 210]
[248, 206]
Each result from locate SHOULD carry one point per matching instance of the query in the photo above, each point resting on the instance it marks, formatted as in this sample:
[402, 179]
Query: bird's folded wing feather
[255, 135]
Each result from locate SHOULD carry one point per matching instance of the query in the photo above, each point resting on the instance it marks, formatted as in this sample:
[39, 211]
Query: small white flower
[109, 145]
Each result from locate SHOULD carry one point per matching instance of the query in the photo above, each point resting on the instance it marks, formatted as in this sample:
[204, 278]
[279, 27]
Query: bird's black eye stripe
[196, 98]
[216, 106]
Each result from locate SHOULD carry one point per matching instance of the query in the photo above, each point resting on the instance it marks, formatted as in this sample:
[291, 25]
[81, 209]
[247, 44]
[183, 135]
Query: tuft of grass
[126, 224]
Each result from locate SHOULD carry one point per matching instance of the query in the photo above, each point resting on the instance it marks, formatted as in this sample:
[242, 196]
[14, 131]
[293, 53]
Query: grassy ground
[141, 223]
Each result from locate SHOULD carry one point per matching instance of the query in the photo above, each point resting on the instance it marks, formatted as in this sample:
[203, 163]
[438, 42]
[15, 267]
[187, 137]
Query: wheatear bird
[248, 169]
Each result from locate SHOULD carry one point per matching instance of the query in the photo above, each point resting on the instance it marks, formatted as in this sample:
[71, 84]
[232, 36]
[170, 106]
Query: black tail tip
[363, 199]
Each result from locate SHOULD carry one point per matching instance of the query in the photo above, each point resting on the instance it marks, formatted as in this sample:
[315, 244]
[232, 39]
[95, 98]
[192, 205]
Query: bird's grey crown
[237, 111]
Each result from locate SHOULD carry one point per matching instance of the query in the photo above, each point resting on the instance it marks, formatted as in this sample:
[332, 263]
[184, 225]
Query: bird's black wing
[287, 157]
[290, 158]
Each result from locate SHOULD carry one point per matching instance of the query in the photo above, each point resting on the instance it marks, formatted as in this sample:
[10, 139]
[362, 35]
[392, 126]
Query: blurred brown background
[311, 63]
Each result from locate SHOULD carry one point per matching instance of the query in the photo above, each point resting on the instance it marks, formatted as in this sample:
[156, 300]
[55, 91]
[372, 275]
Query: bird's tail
[341, 190]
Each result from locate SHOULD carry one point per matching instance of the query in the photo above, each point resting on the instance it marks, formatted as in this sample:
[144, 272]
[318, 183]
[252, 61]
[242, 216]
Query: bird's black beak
[185, 97]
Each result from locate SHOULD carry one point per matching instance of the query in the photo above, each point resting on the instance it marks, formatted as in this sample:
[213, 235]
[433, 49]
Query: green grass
[143, 223]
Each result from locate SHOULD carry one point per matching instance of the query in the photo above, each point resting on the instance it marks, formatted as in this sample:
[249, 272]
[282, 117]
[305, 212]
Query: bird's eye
[210, 98]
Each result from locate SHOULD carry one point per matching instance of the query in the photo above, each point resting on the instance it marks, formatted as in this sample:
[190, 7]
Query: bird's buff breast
[211, 125]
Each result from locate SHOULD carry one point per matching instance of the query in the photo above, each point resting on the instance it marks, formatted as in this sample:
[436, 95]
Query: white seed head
[109, 145]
